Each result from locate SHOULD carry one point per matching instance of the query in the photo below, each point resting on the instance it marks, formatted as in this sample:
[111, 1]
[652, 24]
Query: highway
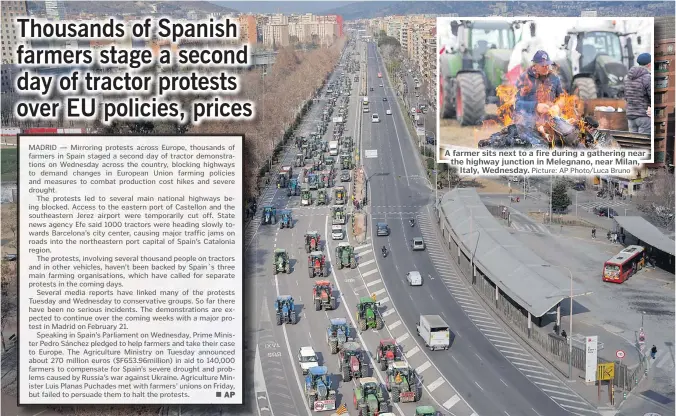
[485, 372]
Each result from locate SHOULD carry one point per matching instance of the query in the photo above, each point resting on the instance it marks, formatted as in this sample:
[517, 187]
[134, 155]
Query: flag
[342, 409]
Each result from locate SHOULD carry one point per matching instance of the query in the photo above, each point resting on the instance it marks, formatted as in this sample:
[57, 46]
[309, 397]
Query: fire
[507, 95]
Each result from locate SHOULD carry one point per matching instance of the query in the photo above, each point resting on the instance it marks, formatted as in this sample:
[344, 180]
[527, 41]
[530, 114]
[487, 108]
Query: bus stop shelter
[640, 232]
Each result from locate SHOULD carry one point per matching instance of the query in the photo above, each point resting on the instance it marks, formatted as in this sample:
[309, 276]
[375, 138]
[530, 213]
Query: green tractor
[306, 196]
[316, 264]
[368, 397]
[338, 216]
[281, 261]
[425, 411]
[339, 195]
[402, 383]
[368, 315]
[597, 62]
[312, 241]
[345, 256]
[471, 71]
[346, 144]
[322, 198]
[293, 188]
[269, 215]
[346, 161]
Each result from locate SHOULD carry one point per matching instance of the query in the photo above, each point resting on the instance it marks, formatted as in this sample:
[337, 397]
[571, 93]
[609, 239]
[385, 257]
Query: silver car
[418, 244]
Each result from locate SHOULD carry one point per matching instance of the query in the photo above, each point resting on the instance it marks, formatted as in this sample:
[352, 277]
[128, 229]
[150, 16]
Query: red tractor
[312, 240]
[323, 297]
[386, 353]
[316, 263]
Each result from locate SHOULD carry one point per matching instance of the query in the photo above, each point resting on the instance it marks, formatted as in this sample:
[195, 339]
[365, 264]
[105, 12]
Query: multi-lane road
[485, 372]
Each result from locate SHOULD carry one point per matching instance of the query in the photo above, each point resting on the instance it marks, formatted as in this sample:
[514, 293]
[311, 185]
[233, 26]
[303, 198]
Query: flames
[507, 95]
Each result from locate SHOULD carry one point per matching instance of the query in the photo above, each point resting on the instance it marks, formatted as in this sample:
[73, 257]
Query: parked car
[430, 140]
[605, 212]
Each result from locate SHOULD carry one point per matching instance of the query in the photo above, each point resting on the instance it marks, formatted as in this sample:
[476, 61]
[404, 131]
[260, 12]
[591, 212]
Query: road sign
[619, 354]
[591, 347]
[371, 154]
[605, 371]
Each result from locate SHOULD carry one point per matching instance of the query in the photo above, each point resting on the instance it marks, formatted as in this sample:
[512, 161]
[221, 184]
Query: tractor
[299, 141]
[337, 334]
[322, 293]
[470, 72]
[339, 195]
[306, 196]
[329, 161]
[402, 383]
[299, 160]
[346, 144]
[425, 411]
[346, 161]
[345, 256]
[287, 219]
[322, 198]
[285, 310]
[353, 363]
[269, 215]
[597, 61]
[307, 153]
[325, 179]
[318, 390]
[368, 397]
[312, 240]
[317, 165]
[316, 264]
[313, 181]
[284, 176]
[338, 216]
[386, 353]
[294, 188]
[368, 315]
[281, 259]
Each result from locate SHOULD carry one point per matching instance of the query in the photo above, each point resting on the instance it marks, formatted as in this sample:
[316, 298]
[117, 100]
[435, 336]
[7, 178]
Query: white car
[414, 278]
[366, 109]
[413, 110]
[307, 358]
[388, 112]
[381, 85]
[418, 243]
[375, 118]
[337, 232]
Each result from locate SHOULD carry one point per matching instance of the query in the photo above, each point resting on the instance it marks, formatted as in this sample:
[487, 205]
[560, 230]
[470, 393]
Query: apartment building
[276, 35]
[10, 40]
[663, 67]
[282, 30]
[248, 29]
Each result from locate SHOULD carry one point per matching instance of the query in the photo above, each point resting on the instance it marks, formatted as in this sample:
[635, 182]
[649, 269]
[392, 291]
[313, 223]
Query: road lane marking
[379, 292]
[528, 370]
[550, 385]
[577, 408]
[422, 367]
[482, 319]
[451, 402]
[366, 263]
[385, 299]
[435, 384]
[388, 312]
[402, 338]
[362, 247]
[527, 365]
[364, 252]
[394, 325]
[370, 272]
[412, 352]
[520, 359]
[558, 392]
[375, 282]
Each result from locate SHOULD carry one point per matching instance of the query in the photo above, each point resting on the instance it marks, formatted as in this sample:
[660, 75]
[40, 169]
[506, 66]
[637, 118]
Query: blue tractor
[285, 310]
[294, 188]
[337, 334]
[269, 215]
[287, 219]
[318, 390]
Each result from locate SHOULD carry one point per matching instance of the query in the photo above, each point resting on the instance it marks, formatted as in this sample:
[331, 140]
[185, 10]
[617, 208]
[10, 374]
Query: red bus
[624, 264]
[380, 75]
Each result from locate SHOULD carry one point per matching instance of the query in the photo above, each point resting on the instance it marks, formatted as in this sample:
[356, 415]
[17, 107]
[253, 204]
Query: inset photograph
[582, 83]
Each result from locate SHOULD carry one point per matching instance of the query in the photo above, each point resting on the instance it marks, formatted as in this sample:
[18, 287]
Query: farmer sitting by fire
[538, 90]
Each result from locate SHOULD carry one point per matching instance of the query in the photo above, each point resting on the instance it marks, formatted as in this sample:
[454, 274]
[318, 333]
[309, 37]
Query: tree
[658, 199]
[10, 223]
[560, 199]
[9, 299]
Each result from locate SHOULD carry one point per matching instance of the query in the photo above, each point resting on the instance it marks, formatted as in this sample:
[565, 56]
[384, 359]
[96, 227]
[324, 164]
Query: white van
[375, 118]
[333, 148]
[414, 278]
[434, 332]
[337, 232]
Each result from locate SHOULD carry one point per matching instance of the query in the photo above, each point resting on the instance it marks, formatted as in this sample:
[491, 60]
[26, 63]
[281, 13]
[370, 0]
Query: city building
[276, 35]
[247, 29]
[10, 40]
[663, 68]
[55, 9]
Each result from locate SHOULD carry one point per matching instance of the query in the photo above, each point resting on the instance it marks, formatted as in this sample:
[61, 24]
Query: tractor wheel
[470, 98]
[325, 271]
[281, 225]
[307, 248]
[318, 305]
[332, 303]
[287, 268]
[274, 220]
[353, 263]
[585, 88]
[382, 407]
[340, 264]
[290, 224]
[292, 318]
[395, 395]
[333, 345]
[346, 374]
[383, 365]
[354, 400]
[416, 396]
[279, 319]
[379, 323]
[446, 98]
[310, 273]
[363, 326]
[378, 354]
[311, 402]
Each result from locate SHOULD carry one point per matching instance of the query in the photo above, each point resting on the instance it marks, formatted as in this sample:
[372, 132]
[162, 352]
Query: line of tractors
[353, 361]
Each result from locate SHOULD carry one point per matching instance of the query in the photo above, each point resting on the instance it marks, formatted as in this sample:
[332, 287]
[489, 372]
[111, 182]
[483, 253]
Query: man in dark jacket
[637, 92]
[537, 90]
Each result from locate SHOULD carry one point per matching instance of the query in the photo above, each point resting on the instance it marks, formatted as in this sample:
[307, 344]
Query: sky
[280, 6]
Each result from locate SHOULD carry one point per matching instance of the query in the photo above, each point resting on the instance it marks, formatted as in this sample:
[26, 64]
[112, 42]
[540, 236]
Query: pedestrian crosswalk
[615, 203]
[529, 227]
[521, 359]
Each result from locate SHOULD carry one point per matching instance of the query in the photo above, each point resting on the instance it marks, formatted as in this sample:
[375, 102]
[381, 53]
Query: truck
[434, 331]
[333, 148]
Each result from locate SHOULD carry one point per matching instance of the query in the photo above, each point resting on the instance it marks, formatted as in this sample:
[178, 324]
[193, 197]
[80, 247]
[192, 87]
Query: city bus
[624, 264]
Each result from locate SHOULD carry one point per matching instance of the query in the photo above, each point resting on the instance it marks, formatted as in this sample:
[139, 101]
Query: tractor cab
[321, 197]
[284, 176]
[386, 353]
[307, 153]
[322, 293]
[339, 195]
[326, 179]
[299, 141]
[425, 411]
[338, 215]
[312, 240]
[316, 263]
[306, 196]
[346, 161]
[269, 215]
[368, 314]
[281, 261]
[338, 328]
[317, 165]
[345, 256]
[353, 363]
[368, 397]
[318, 376]
[287, 219]
[285, 310]
[313, 181]
[329, 160]
[299, 160]
[294, 188]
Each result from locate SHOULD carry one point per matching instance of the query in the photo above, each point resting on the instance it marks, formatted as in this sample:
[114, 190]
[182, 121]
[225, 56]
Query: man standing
[637, 92]
[537, 90]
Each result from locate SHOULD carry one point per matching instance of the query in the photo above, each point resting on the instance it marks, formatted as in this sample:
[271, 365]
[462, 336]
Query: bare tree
[10, 223]
[658, 199]
[9, 299]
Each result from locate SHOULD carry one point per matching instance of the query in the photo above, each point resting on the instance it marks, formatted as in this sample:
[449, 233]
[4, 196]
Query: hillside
[105, 8]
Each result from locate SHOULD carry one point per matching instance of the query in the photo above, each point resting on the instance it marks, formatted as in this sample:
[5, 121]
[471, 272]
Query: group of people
[612, 236]
[539, 90]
